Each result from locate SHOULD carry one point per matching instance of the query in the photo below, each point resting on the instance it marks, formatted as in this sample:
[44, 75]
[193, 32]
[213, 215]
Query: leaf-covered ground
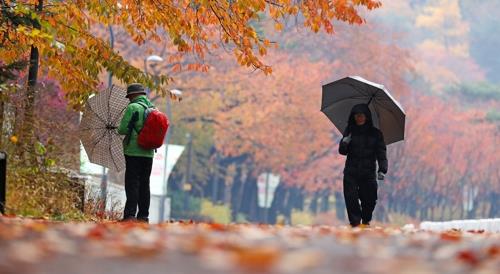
[39, 246]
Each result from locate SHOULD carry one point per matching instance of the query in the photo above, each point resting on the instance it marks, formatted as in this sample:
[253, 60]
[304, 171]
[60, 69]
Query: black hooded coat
[364, 150]
[366, 147]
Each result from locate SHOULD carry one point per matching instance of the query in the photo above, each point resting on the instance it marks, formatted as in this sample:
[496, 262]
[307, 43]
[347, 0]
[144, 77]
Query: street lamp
[153, 59]
[178, 93]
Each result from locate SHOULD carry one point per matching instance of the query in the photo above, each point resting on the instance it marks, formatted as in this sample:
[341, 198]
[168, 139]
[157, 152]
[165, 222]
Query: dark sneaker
[128, 219]
[143, 220]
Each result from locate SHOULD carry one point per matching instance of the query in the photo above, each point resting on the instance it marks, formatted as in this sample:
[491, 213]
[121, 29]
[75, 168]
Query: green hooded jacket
[132, 148]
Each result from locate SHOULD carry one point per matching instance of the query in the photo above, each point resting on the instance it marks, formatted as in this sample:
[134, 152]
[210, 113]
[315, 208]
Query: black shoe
[128, 219]
[143, 220]
[354, 225]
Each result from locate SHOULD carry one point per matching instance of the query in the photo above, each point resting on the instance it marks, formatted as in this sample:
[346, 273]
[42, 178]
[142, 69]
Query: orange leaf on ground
[257, 258]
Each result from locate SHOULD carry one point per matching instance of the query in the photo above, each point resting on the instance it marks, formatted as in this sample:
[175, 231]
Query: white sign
[469, 196]
[160, 174]
[86, 167]
[266, 186]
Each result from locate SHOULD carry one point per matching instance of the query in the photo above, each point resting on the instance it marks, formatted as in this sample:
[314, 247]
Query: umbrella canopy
[100, 119]
[340, 96]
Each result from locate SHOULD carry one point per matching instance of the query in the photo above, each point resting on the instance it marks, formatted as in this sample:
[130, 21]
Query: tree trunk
[27, 129]
[483, 208]
[2, 109]
[471, 214]
[254, 207]
[287, 208]
[236, 193]
[214, 188]
[325, 201]
[241, 191]
[443, 210]
[423, 213]
[227, 192]
[494, 205]
[339, 206]
[433, 210]
[314, 203]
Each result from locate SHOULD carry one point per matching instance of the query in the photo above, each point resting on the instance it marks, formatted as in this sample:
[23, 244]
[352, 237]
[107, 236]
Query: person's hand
[347, 139]
[380, 176]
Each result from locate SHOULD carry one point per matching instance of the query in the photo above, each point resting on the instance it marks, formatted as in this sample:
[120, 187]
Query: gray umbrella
[340, 96]
[100, 119]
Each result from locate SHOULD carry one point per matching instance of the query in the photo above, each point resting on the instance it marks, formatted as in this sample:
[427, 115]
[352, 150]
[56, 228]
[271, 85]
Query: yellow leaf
[278, 26]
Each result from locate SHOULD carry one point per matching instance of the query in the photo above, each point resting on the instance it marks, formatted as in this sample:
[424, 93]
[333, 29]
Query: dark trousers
[359, 188]
[138, 170]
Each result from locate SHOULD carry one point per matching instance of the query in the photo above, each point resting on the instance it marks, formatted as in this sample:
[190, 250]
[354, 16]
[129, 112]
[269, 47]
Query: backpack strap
[142, 104]
[145, 108]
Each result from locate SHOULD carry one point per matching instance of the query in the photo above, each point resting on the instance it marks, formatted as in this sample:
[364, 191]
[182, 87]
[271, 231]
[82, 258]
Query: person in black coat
[364, 146]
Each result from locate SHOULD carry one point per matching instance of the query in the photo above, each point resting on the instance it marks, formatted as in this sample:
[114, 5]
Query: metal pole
[215, 179]
[3, 180]
[104, 178]
[161, 206]
[165, 163]
[188, 170]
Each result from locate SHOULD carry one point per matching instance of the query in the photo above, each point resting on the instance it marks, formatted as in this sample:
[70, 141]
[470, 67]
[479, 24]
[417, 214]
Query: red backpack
[154, 129]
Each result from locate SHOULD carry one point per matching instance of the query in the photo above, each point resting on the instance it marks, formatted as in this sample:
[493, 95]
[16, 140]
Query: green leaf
[40, 149]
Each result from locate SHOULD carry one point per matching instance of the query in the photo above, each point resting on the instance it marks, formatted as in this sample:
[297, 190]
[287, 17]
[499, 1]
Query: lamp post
[157, 59]
[104, 178]
[167, 141]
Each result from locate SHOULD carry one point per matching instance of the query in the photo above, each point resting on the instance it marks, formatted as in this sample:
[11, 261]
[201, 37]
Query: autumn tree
[275, 121]
[58, 34]
[70, 53]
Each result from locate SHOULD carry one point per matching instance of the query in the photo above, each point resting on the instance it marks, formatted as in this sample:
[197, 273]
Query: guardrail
[488, 225]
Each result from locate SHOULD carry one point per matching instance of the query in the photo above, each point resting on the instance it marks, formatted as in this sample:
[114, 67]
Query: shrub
[217, 213]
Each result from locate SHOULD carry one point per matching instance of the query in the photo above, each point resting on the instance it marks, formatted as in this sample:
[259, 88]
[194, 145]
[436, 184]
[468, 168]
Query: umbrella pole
[371, 98]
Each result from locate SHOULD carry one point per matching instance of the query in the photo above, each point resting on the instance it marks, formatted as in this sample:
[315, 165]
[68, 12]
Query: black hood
[359, 108]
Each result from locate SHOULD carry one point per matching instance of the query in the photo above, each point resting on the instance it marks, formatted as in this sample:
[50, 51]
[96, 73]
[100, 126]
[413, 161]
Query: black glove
[380, 176]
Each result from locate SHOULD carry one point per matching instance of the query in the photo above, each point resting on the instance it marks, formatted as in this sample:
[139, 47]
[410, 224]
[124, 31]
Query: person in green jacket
[138, 161]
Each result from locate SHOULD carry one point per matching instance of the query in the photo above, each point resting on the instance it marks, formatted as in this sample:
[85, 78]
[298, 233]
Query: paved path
[37, 246]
